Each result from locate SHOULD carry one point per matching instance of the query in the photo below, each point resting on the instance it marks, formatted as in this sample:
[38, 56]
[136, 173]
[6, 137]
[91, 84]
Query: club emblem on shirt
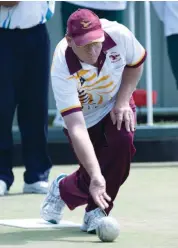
[85, 24]
[114, 57]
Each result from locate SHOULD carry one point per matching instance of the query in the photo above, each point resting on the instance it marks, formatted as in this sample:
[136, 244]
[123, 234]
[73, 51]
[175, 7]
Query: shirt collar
[73, 62]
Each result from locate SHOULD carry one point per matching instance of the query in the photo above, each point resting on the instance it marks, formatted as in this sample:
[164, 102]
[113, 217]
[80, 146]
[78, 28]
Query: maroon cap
[84, 27]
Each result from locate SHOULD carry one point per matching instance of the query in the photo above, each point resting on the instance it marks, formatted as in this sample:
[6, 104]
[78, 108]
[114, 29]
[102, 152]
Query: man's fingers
[99, 202]
[132, 122]
[127, 121]
[113, 117]
[104, 199]
[106, 196]
[104, 202]
[119, 117]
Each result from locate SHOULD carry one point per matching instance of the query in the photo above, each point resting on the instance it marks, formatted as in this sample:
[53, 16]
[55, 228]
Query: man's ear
[69, 39]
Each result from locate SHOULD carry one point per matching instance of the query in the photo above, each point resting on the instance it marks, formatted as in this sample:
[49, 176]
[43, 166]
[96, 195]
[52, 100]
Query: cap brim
[90, 37]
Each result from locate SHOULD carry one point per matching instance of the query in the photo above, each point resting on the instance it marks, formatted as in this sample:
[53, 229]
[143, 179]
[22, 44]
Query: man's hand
[122, 111]
[98, 192]
[123, 114]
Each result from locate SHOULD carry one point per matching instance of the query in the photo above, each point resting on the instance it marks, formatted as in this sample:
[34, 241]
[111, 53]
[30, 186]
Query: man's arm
[122, 110]
[85, 152]
[135, 55]
[130, 79]
[81, 142]
[8, 3]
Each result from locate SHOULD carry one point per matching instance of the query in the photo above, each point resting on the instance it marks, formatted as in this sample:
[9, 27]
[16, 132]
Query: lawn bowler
[96, 68]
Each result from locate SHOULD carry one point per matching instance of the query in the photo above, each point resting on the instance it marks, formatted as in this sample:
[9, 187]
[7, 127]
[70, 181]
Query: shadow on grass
[14, 194]
[26, 236]
[11, 194]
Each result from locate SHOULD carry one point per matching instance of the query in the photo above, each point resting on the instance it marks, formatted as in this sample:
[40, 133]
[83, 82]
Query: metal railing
[148, 63]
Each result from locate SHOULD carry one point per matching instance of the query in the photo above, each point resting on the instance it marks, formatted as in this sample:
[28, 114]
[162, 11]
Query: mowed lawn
[146, 208]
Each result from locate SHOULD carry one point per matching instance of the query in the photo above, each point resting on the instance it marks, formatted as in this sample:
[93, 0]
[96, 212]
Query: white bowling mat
[36, 224]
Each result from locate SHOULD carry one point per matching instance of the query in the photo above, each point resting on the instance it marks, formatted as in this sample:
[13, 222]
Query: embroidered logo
[85, 24]
[114, 57]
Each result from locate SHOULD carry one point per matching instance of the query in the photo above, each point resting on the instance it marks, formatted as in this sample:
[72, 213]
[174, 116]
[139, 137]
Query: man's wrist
[123, 97]
[95, 174]
[120, 103]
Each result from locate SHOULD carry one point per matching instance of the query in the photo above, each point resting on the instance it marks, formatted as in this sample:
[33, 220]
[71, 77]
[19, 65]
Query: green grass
[146, 208]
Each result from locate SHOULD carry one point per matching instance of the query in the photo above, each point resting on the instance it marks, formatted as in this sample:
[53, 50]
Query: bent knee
[122, 140]
[122, 136]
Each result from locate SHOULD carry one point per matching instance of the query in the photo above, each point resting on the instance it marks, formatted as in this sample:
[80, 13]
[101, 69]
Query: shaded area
[26, 236]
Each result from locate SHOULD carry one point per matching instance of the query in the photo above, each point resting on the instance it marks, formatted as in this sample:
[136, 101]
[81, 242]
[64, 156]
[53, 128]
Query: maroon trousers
[114, 150]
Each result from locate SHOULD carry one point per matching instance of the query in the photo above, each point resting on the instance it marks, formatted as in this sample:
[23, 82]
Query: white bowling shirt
[79, 86]
[26, 14]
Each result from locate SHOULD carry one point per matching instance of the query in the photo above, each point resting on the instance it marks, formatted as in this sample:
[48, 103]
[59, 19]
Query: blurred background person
[24, 71]
[167, 12]
[111, 10]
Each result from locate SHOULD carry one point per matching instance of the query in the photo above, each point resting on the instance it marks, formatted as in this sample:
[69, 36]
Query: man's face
[89, 53]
